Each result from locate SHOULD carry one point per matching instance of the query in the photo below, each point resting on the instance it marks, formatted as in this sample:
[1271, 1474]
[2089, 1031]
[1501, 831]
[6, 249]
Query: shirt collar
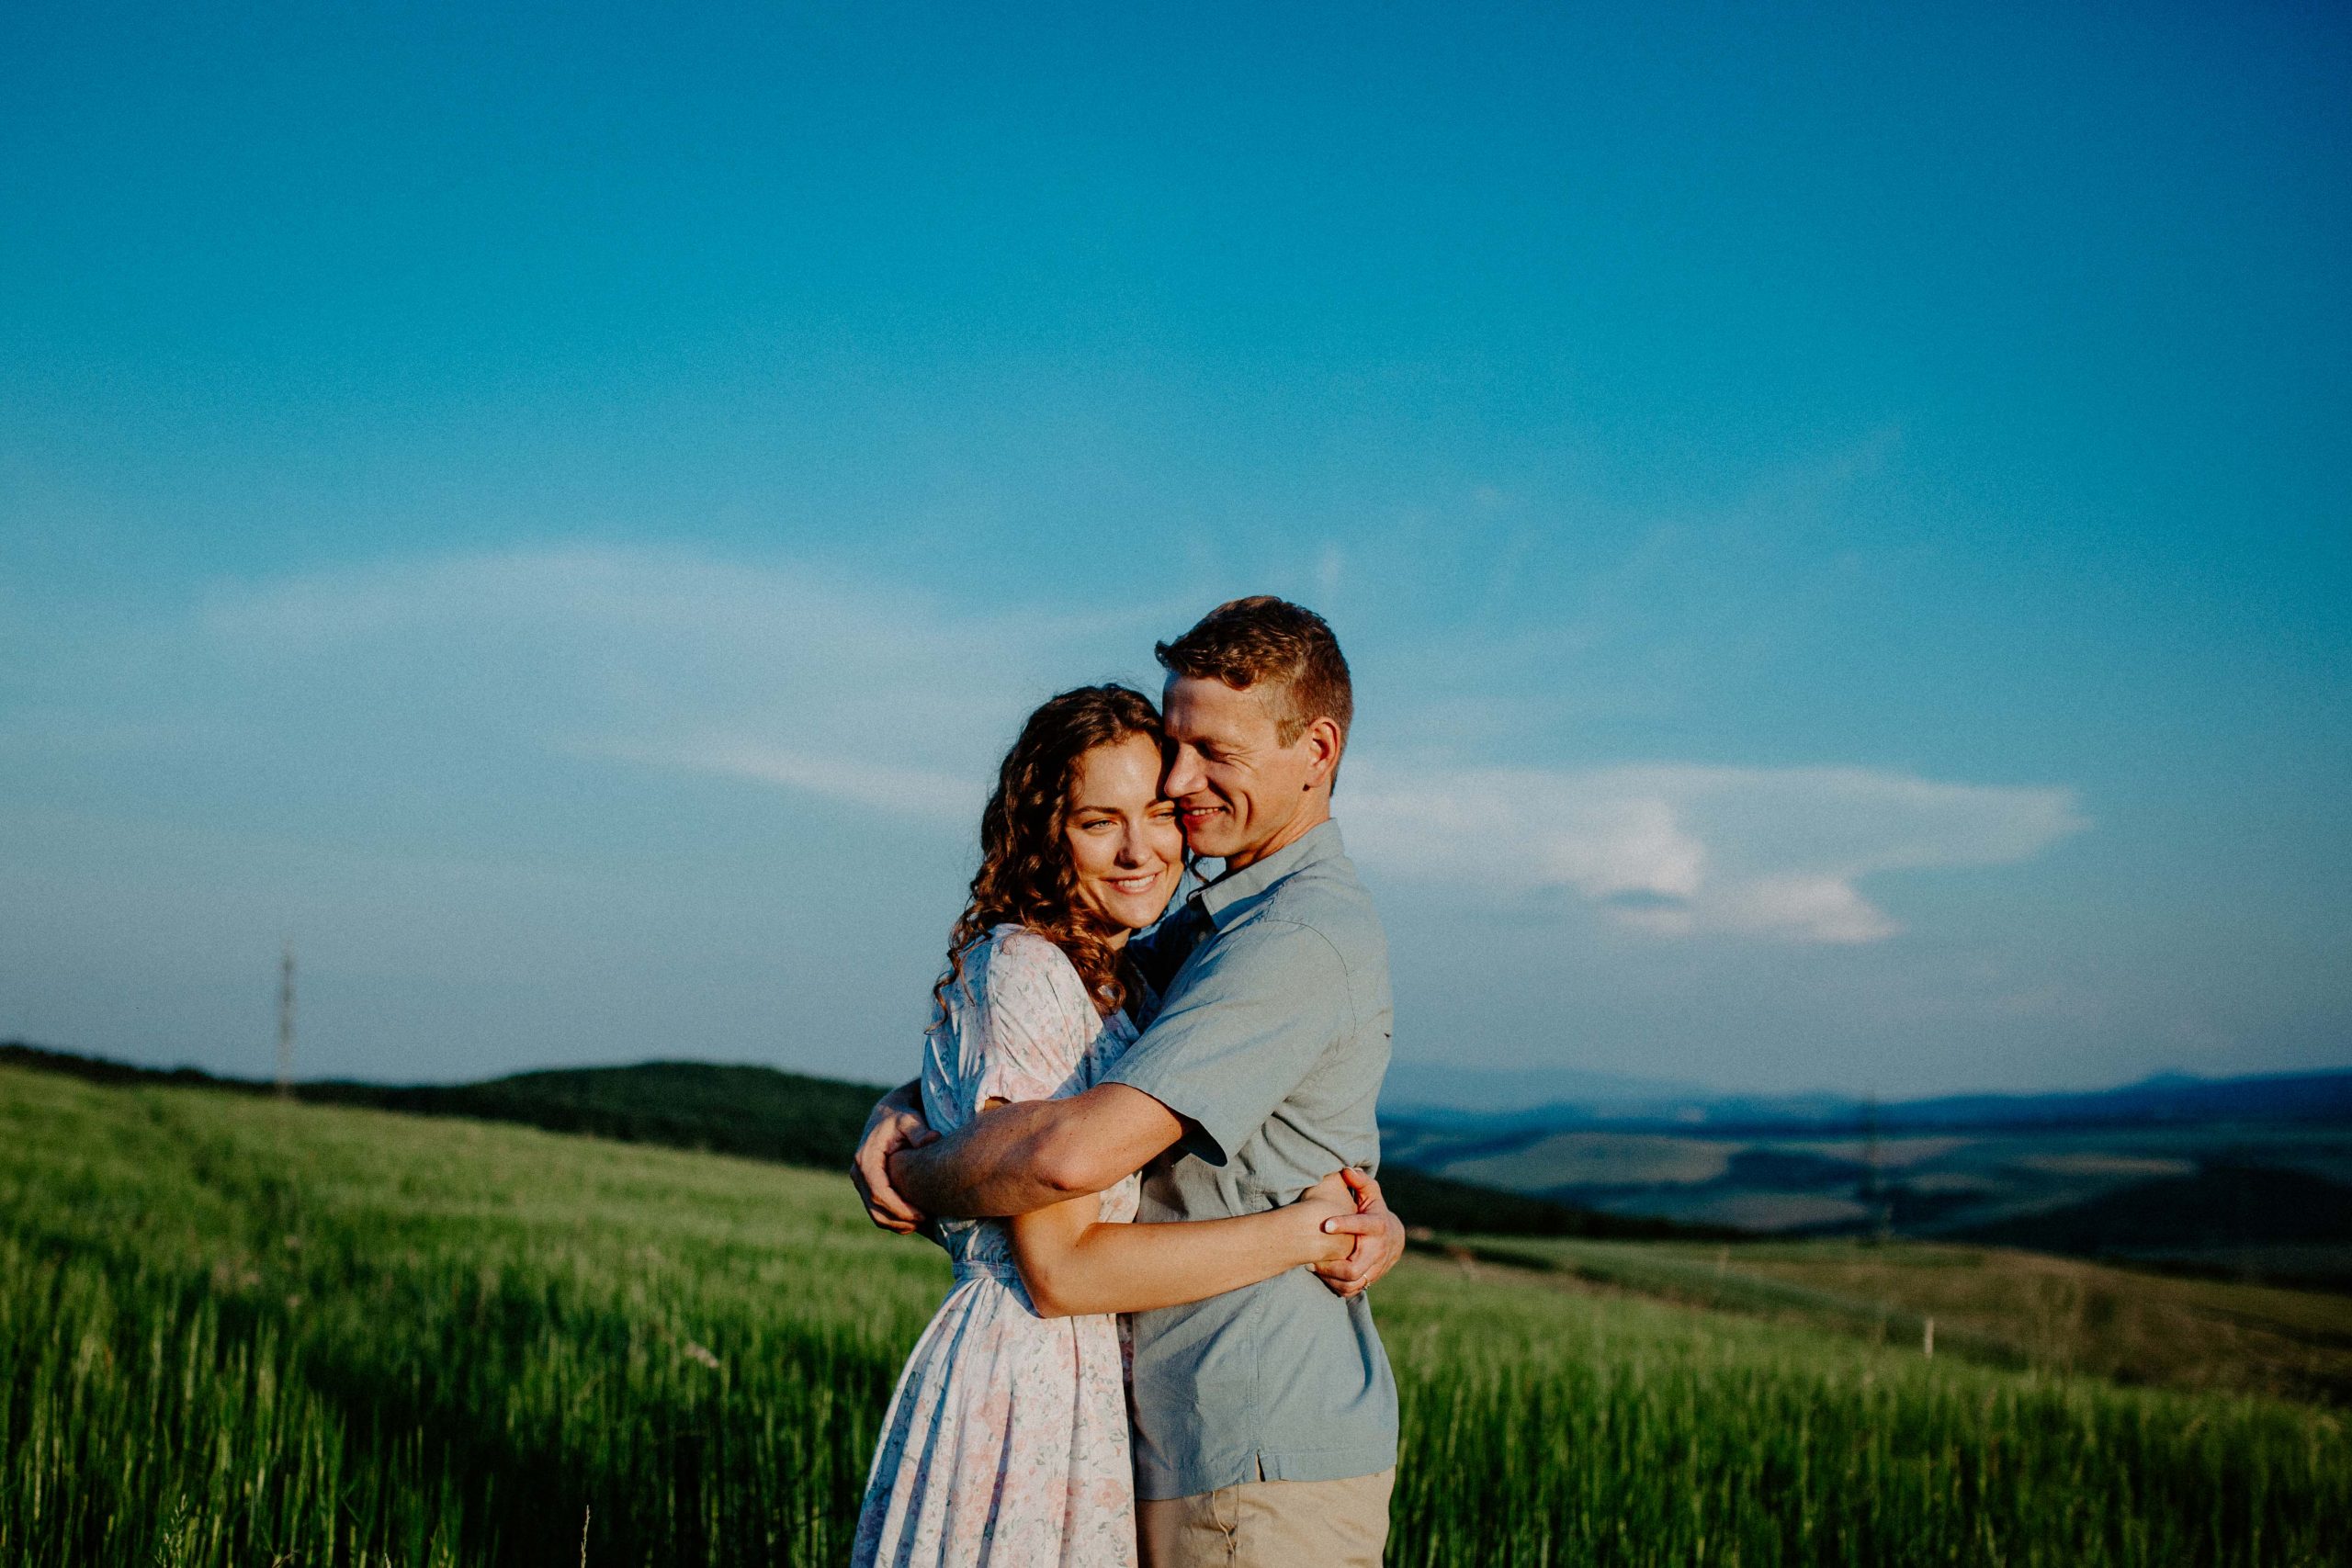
[1318, 843]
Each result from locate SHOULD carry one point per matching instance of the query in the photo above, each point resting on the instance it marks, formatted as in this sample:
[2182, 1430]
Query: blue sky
[1838, 519]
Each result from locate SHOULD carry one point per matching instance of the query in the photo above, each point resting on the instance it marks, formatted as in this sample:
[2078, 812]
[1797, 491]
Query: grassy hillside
[2220, 1204]
[244, 1331]
[1989, 1305]
[756, 1112]
[761, 1113]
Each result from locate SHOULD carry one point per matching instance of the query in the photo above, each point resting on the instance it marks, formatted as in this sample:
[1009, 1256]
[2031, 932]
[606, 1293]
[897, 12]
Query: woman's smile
[1125, 849]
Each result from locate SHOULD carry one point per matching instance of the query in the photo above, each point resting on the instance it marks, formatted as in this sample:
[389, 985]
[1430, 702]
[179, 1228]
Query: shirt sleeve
[1039, 1022]
[1250, 1018]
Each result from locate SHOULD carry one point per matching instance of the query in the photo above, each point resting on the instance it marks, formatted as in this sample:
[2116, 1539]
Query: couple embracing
[1146, 1136]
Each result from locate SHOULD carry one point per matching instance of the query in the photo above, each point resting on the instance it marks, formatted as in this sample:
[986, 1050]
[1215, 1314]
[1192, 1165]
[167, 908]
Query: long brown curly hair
[1025, 876]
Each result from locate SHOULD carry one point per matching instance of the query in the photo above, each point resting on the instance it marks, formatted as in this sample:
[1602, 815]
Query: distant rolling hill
[2168, 1098]
[2280, 1223]
[2250, 1176]
[763, 1113]
[2246, 1175]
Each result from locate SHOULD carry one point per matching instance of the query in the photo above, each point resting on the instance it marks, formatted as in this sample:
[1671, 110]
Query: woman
[1006, 1443]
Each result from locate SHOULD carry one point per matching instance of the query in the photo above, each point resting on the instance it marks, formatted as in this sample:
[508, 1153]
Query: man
[1266, 1417]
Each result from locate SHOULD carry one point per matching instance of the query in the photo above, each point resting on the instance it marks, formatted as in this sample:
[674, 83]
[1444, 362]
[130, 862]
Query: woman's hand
[896, 1124]
[1328, 1200]
[1379, 1236]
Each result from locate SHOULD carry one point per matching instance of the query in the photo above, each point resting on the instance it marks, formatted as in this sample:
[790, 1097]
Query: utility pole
[286, 1023]
[1873, 1190]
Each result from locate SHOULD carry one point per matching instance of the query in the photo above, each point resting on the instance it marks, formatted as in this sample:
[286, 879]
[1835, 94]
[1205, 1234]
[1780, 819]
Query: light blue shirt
[1270, 1043]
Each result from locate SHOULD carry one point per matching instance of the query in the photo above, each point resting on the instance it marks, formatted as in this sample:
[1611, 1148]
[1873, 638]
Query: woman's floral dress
[1006, 1443]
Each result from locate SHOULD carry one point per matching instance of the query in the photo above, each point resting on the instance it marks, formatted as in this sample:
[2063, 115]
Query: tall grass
[1621, 1431]
[238, 1332]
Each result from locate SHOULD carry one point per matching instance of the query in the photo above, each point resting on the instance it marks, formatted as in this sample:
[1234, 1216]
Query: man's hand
[896, 1124]
[1380, 1239]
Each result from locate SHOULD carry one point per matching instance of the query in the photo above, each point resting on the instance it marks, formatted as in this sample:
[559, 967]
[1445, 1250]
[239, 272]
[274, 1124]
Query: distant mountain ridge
[2308, 1096]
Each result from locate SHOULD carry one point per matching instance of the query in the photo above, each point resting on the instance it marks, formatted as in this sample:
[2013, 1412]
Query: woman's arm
[1073, 1263]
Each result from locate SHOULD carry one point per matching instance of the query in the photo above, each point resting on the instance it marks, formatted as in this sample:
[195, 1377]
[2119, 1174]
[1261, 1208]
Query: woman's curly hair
[1025, 876]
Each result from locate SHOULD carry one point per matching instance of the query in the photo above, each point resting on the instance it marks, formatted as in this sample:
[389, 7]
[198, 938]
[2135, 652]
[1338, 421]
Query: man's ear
[1326, 738]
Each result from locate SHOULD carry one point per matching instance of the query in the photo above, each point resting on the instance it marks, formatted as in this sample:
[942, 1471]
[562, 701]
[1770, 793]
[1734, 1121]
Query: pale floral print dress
[1006, 1443]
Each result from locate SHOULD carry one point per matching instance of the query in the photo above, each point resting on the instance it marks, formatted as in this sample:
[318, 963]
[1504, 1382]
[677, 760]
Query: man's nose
[1183, 773]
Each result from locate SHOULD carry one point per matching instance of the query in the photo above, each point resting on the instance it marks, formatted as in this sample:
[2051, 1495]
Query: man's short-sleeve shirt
[1270, 1043]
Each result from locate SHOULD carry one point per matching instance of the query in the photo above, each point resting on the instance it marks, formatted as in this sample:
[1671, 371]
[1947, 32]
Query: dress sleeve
[1039, 1021]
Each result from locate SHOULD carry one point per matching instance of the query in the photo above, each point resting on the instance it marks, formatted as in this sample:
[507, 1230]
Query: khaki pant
[1270, 1524]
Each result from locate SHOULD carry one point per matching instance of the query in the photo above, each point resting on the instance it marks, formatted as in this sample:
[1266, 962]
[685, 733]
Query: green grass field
[237, 1331]
[1989, 1305]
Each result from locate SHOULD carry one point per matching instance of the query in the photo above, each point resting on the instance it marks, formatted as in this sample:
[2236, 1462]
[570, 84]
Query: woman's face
[1125, 845]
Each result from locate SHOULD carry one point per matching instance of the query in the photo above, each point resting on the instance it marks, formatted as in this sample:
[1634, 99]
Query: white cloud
[1679, 849]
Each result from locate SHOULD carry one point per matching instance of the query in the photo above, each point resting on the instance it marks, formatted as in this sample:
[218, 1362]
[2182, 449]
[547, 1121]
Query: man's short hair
[1272, 642]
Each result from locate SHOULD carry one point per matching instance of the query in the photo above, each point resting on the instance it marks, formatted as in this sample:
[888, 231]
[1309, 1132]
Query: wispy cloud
[879, 786]
[772, 671]
[1685, 851]
[897, 703]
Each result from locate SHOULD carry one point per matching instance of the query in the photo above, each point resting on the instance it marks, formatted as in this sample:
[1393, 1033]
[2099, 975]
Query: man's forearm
[998, 1164]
